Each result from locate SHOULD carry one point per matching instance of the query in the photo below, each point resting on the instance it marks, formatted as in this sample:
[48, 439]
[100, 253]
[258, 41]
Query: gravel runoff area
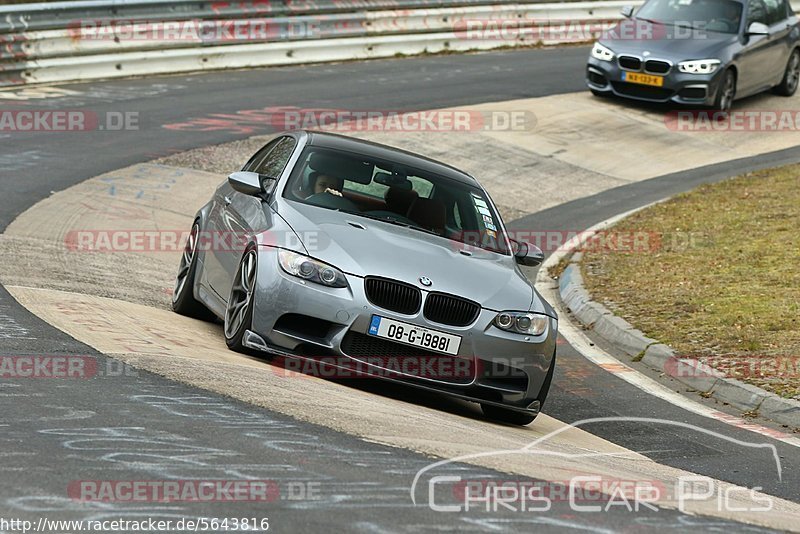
[220, 159]
[713, 273]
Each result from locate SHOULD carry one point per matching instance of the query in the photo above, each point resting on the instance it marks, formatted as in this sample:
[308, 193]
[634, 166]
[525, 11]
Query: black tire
[791, 76]
[726, 92]
[505, 415]
[600, 94]
[183, 301]
[239, 310]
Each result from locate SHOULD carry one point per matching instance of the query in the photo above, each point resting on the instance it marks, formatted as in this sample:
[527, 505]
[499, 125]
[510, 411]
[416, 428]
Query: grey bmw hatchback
[698, 52]
[375, 262]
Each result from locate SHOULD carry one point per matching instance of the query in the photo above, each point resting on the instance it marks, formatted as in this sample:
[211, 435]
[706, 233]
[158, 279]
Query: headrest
[428, 213]
[399, 200]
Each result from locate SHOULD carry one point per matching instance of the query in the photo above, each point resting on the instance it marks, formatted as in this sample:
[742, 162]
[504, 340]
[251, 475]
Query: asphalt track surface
[145, 427]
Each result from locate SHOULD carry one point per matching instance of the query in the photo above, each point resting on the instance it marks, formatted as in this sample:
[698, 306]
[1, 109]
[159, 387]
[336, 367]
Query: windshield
[721, 16]
[395, 194]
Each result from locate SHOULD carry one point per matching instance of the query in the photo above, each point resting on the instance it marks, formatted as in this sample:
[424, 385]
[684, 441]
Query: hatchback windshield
[721, 16]
[398, 195]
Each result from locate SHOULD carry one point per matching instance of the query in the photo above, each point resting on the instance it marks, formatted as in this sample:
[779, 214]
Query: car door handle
[227, 200]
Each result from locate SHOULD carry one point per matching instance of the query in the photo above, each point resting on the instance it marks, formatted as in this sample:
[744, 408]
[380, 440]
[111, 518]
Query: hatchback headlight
[532, 324]
[310, 269]
[699, 66]
[602, 53]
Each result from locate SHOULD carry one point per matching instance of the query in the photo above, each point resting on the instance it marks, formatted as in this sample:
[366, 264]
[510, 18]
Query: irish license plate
[416, 336]
[644, 79]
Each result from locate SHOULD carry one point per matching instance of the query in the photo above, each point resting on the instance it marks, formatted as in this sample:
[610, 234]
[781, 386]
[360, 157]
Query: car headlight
[532, 324]
[602, 53]
[310, 269]
[699, 66]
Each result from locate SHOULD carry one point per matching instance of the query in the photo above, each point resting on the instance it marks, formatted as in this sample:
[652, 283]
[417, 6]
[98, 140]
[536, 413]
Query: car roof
[379, 151]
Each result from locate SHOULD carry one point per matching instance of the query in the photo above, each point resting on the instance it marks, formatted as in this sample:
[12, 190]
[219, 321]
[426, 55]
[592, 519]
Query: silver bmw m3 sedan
[374, 261]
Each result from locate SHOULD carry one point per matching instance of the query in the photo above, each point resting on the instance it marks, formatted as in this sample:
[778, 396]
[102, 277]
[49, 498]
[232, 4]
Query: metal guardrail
[93, 39]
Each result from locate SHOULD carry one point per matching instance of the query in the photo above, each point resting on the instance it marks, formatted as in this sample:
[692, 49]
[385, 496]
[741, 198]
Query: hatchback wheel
[726, 92]
[239, 312]
[791, 76]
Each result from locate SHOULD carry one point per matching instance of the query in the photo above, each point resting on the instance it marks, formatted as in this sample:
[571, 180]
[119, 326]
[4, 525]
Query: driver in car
[728, 20]
[324, 183]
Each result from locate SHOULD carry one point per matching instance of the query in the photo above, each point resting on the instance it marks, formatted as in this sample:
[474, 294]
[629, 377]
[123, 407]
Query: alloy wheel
[241, 295]
[728, 90]
[793, 72]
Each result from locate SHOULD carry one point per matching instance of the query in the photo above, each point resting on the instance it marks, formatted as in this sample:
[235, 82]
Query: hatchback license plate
[643, 79]
[414, 335]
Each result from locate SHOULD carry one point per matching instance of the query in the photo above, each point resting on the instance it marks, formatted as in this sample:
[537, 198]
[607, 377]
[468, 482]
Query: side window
[756, 12]
[457, 216]
[272, 159]
[260, 155]
[776, 11]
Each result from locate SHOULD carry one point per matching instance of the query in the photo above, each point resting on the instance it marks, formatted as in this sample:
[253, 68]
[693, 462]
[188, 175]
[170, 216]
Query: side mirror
[757, 28]
[527, 254]
[626, 11]
[252, 183]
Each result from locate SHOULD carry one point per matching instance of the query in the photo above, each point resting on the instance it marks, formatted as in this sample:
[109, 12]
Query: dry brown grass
[723, 282]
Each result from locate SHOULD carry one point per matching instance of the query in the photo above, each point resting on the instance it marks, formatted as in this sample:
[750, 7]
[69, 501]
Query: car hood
[662, 45]
[366, 247]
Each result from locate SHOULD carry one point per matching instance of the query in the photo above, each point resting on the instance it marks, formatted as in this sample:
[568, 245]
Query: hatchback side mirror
[626, 11]
[757, 28]
[527, 254]
[252, 183]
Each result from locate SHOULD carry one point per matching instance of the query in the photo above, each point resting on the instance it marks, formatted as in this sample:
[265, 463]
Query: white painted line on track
[581, 343]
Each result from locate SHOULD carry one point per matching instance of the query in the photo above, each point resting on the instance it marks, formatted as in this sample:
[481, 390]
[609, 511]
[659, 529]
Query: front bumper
[299, 319]
[679, 87]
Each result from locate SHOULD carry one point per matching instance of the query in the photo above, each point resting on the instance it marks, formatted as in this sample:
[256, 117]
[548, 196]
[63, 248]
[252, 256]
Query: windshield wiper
[684, 25]
[651, 21]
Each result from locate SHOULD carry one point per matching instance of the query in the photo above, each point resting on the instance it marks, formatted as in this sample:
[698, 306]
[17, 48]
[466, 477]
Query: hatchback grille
[394, 296]
[447, 309]
[657, 67]
[393, 356]
[630, 62]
